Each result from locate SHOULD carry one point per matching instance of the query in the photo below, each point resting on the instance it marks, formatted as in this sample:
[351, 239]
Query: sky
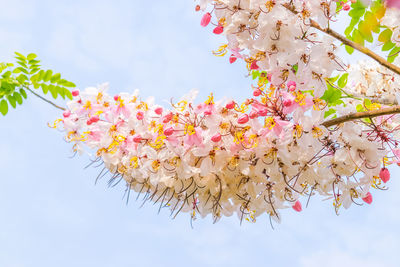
[52, 213]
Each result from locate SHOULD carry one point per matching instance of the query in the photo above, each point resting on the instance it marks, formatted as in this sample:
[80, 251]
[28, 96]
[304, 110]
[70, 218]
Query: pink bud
[116, 97]
[137, 139]
[263, 112]
[243, 119]
[287, 103]
[384, 174]
[230, 105]
[368, 198]
[297, 206]
[254, 65]
[346, 7]
[216, 138]
[140, 115]
[75, 93]
[89, 122]
[197, 8]
[253, 114]
[94, 119]
[218, 30]
[168, 131]
[167, 117]
[205, 20]
[66, 113]
[291, 85]
[257, 92]
[158, 110]
[232, 59]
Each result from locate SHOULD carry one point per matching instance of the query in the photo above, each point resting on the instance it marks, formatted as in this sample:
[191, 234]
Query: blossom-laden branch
[350, 43]
[361, 115]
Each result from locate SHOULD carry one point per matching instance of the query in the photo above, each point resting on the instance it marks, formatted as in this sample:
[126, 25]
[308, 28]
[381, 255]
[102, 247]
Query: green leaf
[23, 93]
[48, 75]
[349, 49]
[12, 101]
[53, 91]
[21, 56]
[18, 98]
[357, 37]
[388, 46]
[343, 80]
[60, 91]
[393, 54]
[332, 96]
[329, 112]
[385, 36]
[255, 74]
[56, 77]
[45, 88]
[31, 56]
[3, 107]
[68, 94]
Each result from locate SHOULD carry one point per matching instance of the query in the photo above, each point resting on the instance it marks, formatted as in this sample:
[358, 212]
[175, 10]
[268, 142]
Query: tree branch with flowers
[312, 124]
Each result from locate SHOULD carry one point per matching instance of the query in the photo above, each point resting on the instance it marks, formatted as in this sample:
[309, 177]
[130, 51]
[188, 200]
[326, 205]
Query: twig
[44, 99]
[361, 115]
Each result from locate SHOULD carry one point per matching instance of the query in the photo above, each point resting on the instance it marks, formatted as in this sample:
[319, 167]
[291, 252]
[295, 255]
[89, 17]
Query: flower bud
[94, 119]
[232, 59]
[158, 110]
[137, 139]
[216, 138]
[75, 93]
[168, 131]
[254, 65]
[205, 20]
[116, 97]
[167, 118]
[243, 119]
[66, 113]
[218, 30]
[346, 7]
[297, 206]
[230, 105]
[257, 92]
[291, 85]
[368, 198]
[253, 114]
[384, 174]
[263, 112]
[140, 115]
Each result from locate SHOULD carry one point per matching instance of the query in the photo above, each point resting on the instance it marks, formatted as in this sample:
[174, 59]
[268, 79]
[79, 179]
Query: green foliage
[364, 23]
[27, 74]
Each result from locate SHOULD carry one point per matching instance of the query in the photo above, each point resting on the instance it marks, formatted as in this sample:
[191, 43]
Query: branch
[350, 43]
[44, 99]
[361, 115]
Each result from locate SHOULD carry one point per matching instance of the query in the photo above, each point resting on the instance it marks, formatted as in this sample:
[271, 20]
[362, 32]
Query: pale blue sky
[52, 214]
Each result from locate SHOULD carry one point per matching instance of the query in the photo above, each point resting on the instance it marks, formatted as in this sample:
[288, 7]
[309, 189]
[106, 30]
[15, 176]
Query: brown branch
[350, 43]
[361, 115]
[44, 99]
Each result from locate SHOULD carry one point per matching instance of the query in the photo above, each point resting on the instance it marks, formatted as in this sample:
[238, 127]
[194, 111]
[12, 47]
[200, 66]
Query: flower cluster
[258, 157]
[369, 79]
[278, 35]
